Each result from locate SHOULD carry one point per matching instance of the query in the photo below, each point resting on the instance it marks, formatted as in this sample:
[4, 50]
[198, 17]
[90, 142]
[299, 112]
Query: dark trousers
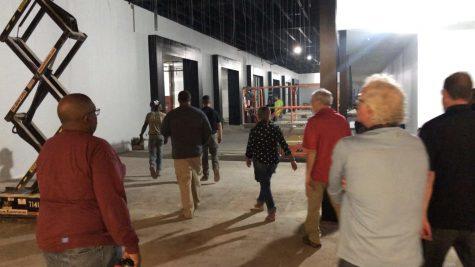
[212, 148]
[263, 174]
[442, 240]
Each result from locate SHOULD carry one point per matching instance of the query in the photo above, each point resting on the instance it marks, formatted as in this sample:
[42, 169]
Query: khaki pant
[187, 173]
[312, 223]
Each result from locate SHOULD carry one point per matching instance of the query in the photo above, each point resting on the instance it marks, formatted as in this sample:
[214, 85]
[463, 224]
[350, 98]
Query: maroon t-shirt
[321, 134]
[83, 202]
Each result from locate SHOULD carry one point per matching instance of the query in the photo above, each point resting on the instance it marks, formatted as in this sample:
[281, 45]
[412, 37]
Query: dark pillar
[218, 98]
[328, 72]
[284, 90]
[297, 100]
[171, 99]
[191, 81]
[155, 53]
[268, 94]
[249, 75]
[328, 48]
[234, 96]
[343, 68]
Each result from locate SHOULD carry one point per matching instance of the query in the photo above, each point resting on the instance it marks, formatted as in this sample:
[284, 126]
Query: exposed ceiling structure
[270, 29]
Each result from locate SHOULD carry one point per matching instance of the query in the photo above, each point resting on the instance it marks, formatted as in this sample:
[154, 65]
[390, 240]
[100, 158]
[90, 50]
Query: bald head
[77, 112]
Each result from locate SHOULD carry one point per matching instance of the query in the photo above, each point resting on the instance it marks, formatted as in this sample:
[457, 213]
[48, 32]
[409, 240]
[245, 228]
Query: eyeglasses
[359, 100]
[95, 112]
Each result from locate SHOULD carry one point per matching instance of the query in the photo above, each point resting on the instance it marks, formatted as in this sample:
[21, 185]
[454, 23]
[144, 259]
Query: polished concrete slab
[223, 232]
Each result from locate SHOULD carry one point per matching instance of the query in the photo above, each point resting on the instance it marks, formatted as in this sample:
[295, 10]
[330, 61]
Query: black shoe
[309, 242]
[204, 178]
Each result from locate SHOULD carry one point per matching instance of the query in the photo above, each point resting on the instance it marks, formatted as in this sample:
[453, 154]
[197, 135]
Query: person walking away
[153, 121]
[189, 130]
[83, 218]
[211, 146]
[261, 151]
[278, 108]
[322, 132]
[449, 219]
[378, 178]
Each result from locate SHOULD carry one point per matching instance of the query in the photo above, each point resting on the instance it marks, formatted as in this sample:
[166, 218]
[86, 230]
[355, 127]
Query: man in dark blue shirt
[215, 139]
[262, 150]
[450, 198]
[189, 130]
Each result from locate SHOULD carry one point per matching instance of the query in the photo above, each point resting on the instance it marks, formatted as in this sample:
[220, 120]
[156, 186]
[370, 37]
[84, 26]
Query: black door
[234, 98]
[190, 81]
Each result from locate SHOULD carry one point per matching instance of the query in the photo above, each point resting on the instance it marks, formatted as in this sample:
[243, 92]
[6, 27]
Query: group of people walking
[390, 189]
[401, 200]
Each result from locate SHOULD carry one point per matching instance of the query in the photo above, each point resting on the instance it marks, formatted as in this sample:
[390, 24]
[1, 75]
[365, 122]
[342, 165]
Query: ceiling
[269, 29]
[372, 52]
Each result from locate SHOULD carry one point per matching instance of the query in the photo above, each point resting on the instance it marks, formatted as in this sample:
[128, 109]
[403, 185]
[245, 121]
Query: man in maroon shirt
[322, 132]
[83, 215]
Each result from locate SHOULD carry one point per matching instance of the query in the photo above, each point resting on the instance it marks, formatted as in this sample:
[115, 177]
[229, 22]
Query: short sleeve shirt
[450, 143]
[213, 118]
[154, 120]
[321, 134]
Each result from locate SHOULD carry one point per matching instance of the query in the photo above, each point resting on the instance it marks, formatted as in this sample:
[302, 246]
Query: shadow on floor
[159, 220]
[328, 228]
[287, 251]
[148, 184]
[160, 251]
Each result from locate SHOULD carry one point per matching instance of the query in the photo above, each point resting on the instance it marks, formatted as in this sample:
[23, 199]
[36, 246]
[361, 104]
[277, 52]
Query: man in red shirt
[322, 132]
[83, 215]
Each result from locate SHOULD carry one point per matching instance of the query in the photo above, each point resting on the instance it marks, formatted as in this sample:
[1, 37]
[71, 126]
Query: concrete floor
[223, 232]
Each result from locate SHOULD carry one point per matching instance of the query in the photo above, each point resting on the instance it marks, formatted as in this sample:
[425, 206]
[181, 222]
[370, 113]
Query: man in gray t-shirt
[189, 130]
[379, 179]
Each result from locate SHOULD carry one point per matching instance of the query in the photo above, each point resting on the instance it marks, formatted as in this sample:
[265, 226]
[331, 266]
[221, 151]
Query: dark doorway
[227, 94]
[258, 81]
[164, 54]
[234, 96]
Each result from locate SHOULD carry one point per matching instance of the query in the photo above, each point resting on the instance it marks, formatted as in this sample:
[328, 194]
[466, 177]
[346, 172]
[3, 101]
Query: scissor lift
[24, 200]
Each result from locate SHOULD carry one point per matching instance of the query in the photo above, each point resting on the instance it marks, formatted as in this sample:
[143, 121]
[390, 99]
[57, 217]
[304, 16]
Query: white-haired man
[385, 174]
[322, 132]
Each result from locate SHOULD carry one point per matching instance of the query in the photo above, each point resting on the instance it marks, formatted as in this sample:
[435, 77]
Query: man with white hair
[379, 179]
[322, 132]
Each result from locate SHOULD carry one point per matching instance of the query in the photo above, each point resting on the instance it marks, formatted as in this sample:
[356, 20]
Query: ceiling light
[298, 49]
[309, 57]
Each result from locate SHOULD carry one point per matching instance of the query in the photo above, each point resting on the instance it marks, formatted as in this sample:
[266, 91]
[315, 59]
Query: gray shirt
[382, 205]
[189, 129]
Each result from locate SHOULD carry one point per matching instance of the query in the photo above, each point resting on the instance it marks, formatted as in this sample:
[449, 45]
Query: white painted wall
[306, 94]
[111, 67]
[404, 69]
[446, 37]
[441, 53]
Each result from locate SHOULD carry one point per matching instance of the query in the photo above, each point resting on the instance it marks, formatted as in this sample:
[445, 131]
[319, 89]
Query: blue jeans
[155, 143]
[263, 174]
[102, 256]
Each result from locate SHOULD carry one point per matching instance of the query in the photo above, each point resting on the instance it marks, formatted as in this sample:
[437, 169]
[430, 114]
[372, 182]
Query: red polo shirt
[83, 202]
[322, 132]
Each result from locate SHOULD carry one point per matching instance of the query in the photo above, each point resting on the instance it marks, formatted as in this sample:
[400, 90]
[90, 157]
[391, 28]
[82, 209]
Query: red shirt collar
[325, 110]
